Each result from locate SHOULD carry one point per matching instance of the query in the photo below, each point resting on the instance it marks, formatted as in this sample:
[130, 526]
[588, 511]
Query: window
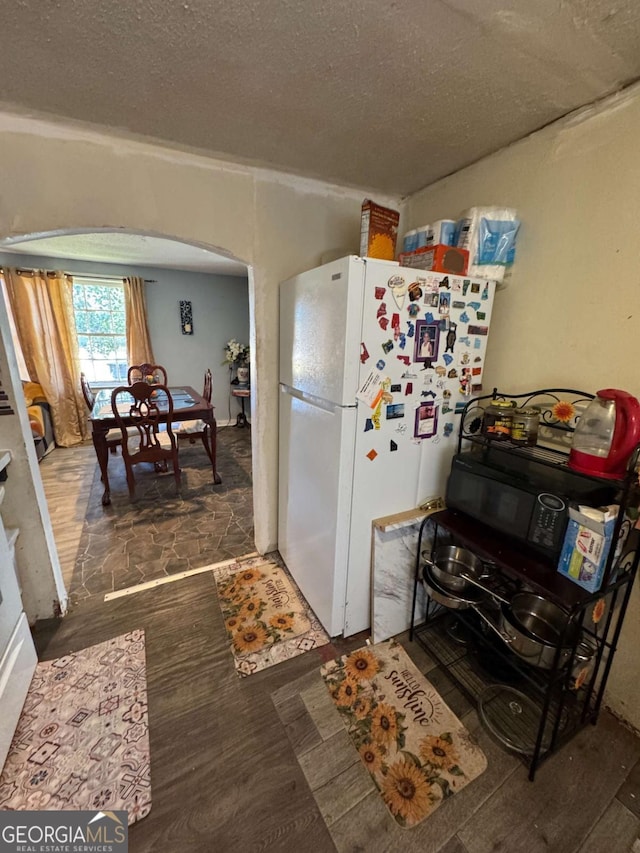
[99, 312]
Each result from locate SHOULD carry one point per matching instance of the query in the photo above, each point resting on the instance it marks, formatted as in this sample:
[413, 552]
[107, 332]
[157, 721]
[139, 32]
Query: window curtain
[22, 365]
[138, 339]
[42, 306]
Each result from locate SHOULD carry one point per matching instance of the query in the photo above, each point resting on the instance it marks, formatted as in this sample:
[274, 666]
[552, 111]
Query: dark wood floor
[225, 775]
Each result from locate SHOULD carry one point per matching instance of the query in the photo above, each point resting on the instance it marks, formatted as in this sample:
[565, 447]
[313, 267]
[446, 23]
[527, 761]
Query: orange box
[438, 258]
[378, 231]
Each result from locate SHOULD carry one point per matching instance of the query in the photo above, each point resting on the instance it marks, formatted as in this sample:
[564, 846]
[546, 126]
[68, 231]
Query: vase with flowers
[237, 355]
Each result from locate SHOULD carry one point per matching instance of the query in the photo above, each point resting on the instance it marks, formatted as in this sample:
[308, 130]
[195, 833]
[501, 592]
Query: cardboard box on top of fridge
[440, 258]
[587, 542]
[378, 231]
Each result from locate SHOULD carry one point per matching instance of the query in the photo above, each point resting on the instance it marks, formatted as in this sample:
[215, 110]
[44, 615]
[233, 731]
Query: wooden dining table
[188, 405]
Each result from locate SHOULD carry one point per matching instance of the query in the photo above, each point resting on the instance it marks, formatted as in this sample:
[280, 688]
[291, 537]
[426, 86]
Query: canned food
[497, 420]
[524, 426]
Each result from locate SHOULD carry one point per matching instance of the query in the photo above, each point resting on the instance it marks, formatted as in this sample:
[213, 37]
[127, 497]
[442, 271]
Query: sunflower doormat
[415, 748]
[266, 618]
[82, 740]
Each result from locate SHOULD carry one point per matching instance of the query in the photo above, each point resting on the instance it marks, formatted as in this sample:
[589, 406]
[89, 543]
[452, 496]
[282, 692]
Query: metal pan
[443, 596]
[452, 567]
[532, 627]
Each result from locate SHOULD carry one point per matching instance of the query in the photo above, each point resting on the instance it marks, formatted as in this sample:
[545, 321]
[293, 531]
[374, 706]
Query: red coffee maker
[606, 435]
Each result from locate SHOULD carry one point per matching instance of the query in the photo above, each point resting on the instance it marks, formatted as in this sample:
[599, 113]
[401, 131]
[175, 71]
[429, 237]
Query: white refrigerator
[376, 362]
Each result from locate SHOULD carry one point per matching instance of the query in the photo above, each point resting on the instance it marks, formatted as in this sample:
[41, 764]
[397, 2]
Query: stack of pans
[531, 626]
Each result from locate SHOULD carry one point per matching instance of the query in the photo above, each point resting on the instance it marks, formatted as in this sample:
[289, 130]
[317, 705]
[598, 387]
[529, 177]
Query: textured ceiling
[380, 95]
[116, 247]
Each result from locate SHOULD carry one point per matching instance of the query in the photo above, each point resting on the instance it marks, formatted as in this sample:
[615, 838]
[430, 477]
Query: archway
[210, 250]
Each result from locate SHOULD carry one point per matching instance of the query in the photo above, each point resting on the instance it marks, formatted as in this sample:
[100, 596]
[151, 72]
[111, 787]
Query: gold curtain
[138, 339]
[42, 305]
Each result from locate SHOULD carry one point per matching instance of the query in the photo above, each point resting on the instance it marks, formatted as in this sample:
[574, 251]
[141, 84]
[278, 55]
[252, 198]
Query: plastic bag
[489, 235]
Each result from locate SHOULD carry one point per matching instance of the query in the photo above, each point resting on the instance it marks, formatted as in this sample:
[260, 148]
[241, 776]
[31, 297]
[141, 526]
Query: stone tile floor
[162, 532]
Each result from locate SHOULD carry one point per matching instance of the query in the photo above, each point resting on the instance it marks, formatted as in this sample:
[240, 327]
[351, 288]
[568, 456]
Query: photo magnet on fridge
[432, 300]
[395, 410]
[426, 424]
[427, 341]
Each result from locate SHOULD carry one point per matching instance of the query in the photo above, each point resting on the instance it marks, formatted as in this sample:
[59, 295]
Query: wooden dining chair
[139, 373]
[114, 437]
[191, 430]
[148, 443]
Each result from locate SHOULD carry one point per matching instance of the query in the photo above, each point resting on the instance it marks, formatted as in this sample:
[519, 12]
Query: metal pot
[532, 627]
[582, 665]
[446, 598]
[452, 567]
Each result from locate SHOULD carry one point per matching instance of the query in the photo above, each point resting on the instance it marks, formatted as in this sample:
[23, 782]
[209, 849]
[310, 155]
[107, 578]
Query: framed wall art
[186, 317]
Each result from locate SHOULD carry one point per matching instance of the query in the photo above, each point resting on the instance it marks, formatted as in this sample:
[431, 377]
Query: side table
[242, 394]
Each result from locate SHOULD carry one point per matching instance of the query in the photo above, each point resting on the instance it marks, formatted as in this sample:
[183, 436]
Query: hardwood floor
[234, 769]
[67, 476]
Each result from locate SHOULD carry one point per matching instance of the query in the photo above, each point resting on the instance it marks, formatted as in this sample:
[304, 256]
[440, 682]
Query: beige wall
[57, 177]
[570, 316]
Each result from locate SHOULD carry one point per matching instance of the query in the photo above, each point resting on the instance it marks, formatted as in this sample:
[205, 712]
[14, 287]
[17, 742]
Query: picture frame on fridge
[427, 337]
[426, 425]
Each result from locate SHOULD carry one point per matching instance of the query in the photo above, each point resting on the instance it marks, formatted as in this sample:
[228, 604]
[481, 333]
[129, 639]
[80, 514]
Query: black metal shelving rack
[562, 709]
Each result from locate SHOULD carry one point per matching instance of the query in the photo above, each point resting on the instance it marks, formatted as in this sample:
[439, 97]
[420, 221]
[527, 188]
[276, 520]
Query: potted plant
[237, 355]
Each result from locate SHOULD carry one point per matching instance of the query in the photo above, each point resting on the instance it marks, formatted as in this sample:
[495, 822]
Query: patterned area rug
[163, 533]
[415, 748]
[266, 617]
[82, 741]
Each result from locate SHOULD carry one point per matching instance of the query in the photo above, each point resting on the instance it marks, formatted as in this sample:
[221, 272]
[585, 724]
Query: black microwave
[520, 497]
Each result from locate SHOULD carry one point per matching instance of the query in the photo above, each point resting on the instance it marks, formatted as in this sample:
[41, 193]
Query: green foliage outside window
[101, 328]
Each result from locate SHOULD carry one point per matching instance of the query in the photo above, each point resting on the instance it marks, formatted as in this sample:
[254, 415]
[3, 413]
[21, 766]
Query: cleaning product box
[378, 231]
[587, 542]
[437, 259]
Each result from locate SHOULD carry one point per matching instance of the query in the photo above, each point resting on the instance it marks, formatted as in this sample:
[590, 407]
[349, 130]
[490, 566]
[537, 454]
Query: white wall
[57, 177]
[220, 308]
[569, 318]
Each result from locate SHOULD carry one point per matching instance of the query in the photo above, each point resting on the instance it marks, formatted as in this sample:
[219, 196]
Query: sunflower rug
[415, 748]
[266, 617]
[82, 741]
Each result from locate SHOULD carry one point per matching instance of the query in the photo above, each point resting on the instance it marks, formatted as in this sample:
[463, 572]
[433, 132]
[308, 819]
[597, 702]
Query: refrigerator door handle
[319, 402]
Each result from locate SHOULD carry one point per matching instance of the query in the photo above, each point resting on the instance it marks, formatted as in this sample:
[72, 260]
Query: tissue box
[438, 258]
[587, 542]
[378, 231]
